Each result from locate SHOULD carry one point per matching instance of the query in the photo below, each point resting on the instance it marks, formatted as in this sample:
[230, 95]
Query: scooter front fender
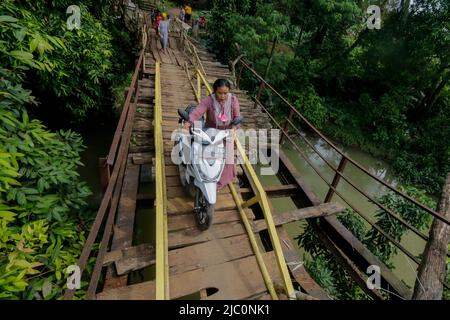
[209, 191]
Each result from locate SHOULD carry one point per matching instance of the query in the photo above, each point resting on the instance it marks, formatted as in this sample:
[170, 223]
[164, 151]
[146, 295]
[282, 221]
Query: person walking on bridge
[182, 13]
[221, 108]
[164, 29]
[188, 14]
[157, 21]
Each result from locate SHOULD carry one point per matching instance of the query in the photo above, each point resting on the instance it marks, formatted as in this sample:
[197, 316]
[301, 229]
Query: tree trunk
[404, 10]
[299, 39]
[437, 91]
[427, 102]
[317, 41]
[432, 269]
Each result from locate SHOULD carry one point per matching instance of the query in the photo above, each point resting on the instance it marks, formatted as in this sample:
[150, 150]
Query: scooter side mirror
[237, 120]
[183, 114]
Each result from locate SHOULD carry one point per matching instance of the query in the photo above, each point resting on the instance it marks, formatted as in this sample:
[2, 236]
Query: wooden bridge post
[286, 126]
[144, 47]
[199, 86]
[261, 84]
[105, 173]
[238, 80]
[336, 179]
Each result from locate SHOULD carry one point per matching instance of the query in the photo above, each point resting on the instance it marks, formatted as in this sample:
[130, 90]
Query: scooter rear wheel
[203, 211]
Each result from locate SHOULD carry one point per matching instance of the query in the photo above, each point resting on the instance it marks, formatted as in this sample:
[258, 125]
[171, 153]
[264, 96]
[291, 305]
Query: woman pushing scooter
[204, 176]
[221, 108]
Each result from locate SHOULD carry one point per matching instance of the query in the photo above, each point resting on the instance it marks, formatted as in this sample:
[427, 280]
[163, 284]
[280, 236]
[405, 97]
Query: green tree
[42, 201]
[72, 70]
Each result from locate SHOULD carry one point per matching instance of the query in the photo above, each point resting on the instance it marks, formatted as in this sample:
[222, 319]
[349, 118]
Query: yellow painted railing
[162, 266]
[260, 197]
[262, 266]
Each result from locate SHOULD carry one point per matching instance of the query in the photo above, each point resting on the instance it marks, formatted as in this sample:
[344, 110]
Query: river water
[404, 267]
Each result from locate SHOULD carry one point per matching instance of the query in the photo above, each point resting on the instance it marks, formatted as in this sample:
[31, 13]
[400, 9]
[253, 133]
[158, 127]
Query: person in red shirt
[221, 108]
[158, 19]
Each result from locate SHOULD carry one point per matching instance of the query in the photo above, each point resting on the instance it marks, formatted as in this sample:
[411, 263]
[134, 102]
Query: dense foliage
[384, 90]
[41, 200]
[47, 69]
[330, 275]
[324, 267]
[71, 69]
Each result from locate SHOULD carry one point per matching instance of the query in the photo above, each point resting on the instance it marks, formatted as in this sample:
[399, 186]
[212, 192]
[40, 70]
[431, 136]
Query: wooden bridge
[246, 253]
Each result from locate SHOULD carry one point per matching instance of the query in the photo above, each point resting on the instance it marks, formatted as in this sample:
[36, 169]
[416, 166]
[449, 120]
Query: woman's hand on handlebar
[187, 125]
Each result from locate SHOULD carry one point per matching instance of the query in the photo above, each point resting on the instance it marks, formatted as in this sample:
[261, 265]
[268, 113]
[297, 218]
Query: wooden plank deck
[238, 279]
[220, 257]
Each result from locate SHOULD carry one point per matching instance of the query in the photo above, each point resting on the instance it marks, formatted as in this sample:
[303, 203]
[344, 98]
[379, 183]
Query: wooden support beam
[131, 258]
[432, 269]
[105, 173]
[336, 179]
[297, 269]
[321, 210]
[346, 262]
[251, 202]
[332, 225]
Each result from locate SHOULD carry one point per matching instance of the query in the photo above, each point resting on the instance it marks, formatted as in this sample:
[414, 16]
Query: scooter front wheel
[203, 210]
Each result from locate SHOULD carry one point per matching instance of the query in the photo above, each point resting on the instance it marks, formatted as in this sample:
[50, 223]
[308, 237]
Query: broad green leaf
[22, 263]
[10, 181]
[21, 55]
[21, 199]
[9, 172]
[20, 34]
[21, 284]
[40, 185]
[46, 288]
[7, 215]
[37, 137]
[33, 44]
[25, 118]
[8, 121]
[8, 19]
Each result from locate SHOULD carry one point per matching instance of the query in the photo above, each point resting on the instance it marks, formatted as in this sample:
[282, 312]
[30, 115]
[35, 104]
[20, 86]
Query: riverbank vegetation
[50, 74]
[383, 90]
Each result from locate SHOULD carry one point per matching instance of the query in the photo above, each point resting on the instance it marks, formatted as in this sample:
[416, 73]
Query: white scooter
[201, 159]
